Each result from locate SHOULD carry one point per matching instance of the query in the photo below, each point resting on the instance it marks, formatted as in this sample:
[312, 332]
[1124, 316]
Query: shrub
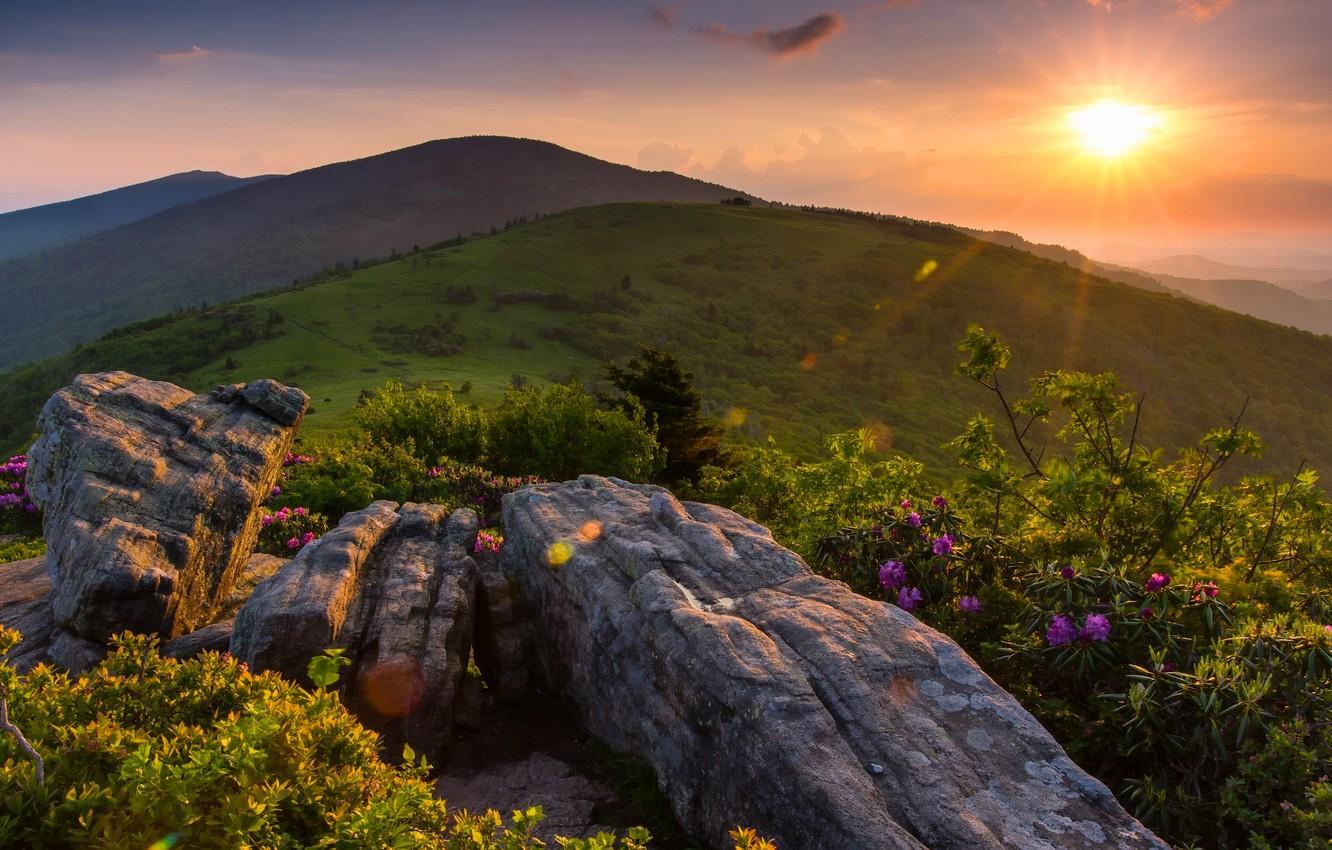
[431, 425]
[146, 751]
[559, 433]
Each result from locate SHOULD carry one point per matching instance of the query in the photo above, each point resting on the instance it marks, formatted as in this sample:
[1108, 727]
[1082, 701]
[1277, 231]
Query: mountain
[1071, 258]
[796, 324]
[266, 234]
[32, 230]
[1202, 268]
[1322, 289]
[1259, 299]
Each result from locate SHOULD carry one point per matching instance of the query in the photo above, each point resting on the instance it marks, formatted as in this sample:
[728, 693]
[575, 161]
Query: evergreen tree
[655, 380]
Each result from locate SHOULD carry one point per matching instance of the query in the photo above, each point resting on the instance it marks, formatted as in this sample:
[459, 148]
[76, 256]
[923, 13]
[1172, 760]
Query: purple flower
[1210, 590]
[892, 575]
[969, 604]
[275, 492]
[294, 543]
[943, 545]
[908, 598]
[1061, 631]
[906, 504]
[913, 519]
[301, 511]
[307, 537]
[267, 520]
[1067, 573]
[940, 502]
[1157, 582]
[1095, 628]
[1147, 613]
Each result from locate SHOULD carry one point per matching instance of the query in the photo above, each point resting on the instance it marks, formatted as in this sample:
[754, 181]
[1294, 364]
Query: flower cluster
[283, 515]
[16, 507]
[1062, 630]
[911, 553]
[288, 529]
[292, 459]
[470, 486]
[488, 541]
[1156, 583]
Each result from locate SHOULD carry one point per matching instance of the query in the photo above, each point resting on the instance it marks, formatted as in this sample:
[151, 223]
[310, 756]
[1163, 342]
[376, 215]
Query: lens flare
[927, 268]
[559, 553]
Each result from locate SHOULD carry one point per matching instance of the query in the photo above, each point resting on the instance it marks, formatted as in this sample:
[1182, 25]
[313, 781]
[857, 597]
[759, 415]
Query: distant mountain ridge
[35, 229]
[1204, 268]
[269, 233]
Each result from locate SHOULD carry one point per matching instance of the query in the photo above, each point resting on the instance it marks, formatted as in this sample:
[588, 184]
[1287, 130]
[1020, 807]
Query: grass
[796, 325]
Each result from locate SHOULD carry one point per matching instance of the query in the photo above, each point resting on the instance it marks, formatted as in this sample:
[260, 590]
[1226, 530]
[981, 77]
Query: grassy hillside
[267, 234]
[796, 324]
[38, 228]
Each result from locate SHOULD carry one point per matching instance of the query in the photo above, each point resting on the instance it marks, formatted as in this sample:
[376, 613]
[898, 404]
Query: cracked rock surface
[767, 696]
[151, 497]
[395, 587]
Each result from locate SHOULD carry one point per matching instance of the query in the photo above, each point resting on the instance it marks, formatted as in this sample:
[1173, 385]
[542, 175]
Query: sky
[950, 110]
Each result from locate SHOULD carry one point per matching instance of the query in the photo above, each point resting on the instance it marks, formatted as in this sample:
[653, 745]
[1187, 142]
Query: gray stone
[396, 589]
[152, 497]
[25, 606]
[569, 799]
[215, 637]
[760, 692]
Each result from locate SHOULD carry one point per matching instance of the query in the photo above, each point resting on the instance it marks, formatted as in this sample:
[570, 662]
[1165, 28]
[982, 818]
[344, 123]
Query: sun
[1112, 129]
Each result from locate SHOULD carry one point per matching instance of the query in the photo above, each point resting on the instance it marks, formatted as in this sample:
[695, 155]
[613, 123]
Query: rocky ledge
[765, 695]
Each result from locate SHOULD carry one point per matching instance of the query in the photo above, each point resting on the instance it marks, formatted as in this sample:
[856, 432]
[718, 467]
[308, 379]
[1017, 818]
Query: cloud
[1202, 10]
[660, 156]
[1198, 10]
[664, 15]
[194, 52]
[804, 37]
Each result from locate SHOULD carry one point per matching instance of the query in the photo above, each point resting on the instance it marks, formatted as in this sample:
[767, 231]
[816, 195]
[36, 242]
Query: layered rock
[396, 589]
[765, 695]
[151, 498]
[25, 606]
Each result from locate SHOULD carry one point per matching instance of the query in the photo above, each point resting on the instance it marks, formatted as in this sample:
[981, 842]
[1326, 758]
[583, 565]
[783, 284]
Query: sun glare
[1110, 128]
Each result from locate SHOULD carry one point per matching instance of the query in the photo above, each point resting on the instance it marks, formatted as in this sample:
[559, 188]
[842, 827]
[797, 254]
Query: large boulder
[152, 497]
[767, 696]
[395, 588]
[25, 606]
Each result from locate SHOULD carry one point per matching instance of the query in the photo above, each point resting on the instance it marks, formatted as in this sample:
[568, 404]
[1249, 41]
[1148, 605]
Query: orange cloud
[804, 37]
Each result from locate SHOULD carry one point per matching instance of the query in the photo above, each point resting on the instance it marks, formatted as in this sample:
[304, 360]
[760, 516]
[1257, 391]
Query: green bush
[146, 751]
[559, 433]
[431, 425]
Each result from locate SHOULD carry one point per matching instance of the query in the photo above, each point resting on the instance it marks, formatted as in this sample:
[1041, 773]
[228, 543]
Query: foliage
[800, 502]
[1081, 567]
[287, 529]
[431, 425]
[150, 751]
[655, 380]
[21, 549]
[18, 514]
[559, 433]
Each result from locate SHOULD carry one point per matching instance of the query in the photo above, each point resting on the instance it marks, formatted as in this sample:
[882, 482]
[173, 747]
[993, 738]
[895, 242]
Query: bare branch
[6, 726]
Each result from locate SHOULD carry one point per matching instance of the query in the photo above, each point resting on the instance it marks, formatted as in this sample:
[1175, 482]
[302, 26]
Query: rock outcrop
[396, 589]
[25, 606]
[152, 497]
[767, 696]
